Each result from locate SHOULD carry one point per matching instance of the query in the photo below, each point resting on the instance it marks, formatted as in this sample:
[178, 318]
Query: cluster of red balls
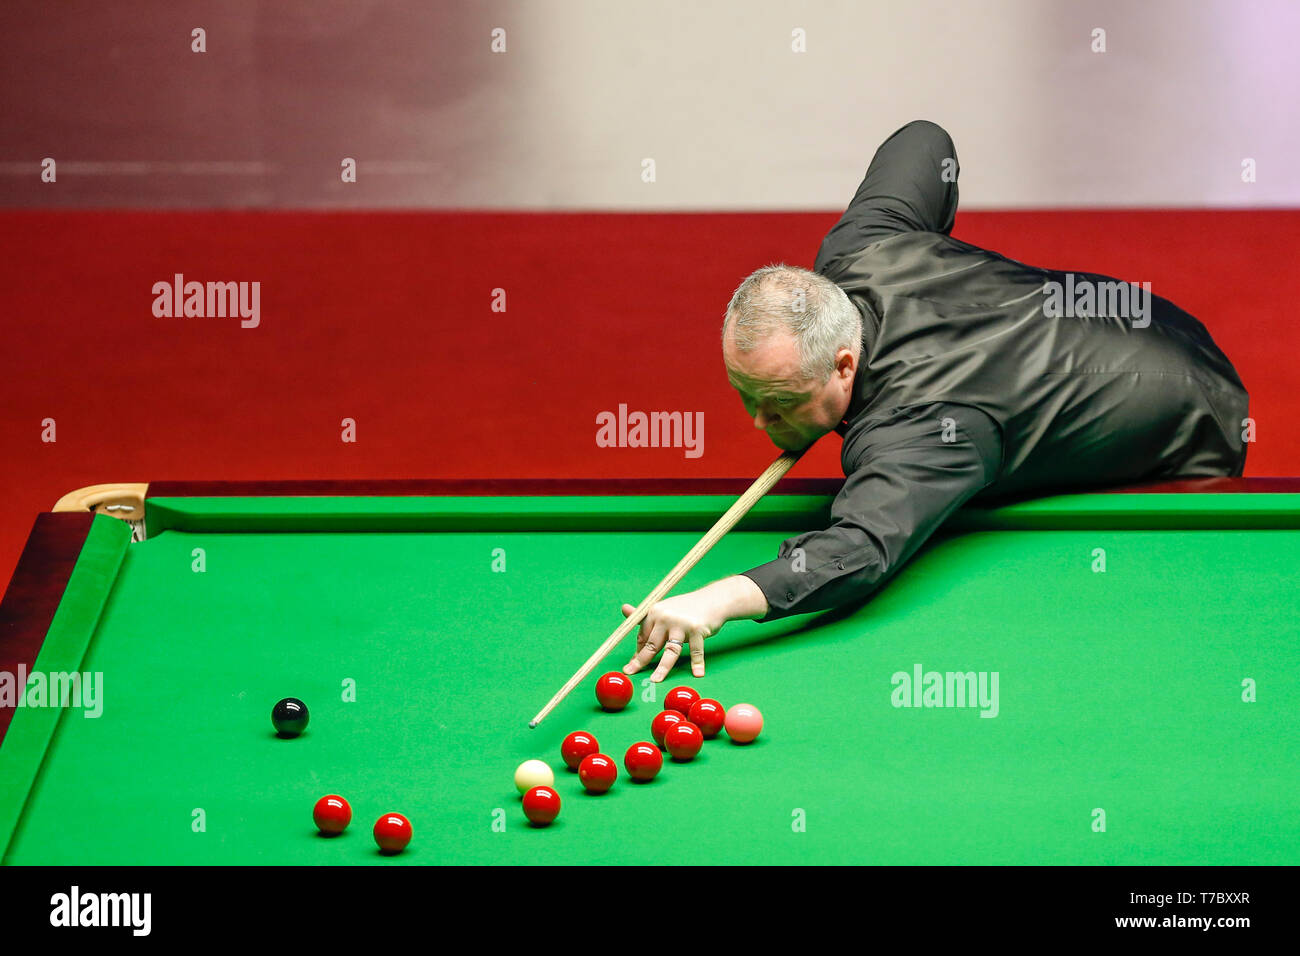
[681, 729]
[683, 705]
[333, 814]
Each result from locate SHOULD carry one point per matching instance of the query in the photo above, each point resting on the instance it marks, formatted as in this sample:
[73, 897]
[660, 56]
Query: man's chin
[789, 442]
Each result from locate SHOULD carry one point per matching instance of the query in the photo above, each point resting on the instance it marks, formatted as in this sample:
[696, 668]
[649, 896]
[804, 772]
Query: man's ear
[845, 363]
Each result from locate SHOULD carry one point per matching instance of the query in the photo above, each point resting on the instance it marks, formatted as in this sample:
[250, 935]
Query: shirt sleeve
[910, 186]
[904, 476]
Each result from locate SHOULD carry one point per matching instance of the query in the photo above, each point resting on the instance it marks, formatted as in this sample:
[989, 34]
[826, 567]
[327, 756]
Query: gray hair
[810, 307]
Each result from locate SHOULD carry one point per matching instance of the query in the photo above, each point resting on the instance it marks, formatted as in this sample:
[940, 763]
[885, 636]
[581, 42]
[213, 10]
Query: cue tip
[532, 725]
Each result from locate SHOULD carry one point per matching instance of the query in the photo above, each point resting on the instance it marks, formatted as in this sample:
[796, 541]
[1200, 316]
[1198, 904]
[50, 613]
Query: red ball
[332, 814]
[643, 761]
[614, 690]
[577, 745]
[680, 699]
[541, 805]
[683, 740]
[662, 723]
[597, 773]
[707, 714]
[392, 832]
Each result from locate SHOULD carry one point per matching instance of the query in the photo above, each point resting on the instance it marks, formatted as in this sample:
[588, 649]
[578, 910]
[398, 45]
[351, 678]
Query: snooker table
[425, 622]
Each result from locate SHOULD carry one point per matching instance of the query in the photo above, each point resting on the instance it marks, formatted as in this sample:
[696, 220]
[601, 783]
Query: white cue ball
[533, 773]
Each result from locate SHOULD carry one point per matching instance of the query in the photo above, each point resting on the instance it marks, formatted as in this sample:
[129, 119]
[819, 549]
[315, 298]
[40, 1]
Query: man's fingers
[673, 650]
[653, 643]
[646, 650]
[697, 654]
[642, 634]
[628, 610]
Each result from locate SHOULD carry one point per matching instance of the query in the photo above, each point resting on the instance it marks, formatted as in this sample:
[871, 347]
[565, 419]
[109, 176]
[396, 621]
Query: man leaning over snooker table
[949, 376]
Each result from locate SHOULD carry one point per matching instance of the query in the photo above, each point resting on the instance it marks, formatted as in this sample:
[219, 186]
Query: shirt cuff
[773, 579]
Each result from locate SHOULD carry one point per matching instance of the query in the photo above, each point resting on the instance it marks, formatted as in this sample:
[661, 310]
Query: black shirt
[974, 381]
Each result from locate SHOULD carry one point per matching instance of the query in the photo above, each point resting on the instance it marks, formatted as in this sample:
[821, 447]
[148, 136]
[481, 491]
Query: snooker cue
[761, 486]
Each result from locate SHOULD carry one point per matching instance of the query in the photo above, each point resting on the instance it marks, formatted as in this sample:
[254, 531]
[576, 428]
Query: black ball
[289, 717]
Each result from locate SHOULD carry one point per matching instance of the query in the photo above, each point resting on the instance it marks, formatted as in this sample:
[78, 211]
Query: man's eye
[785, 402]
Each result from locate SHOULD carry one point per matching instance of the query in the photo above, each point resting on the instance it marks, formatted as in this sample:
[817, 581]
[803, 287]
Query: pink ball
[744, 722]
